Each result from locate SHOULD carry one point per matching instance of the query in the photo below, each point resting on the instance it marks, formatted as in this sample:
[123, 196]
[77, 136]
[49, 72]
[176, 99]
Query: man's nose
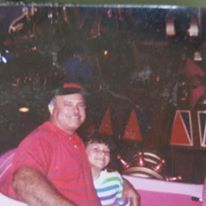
[76, 109]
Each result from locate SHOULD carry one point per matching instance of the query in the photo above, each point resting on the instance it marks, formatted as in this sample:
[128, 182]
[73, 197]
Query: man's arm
[36, 190]
[130, 193]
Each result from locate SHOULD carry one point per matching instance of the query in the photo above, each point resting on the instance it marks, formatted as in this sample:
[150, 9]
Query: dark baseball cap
[70, 88]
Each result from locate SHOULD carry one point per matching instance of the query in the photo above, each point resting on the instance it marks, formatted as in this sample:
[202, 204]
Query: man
[50, 166]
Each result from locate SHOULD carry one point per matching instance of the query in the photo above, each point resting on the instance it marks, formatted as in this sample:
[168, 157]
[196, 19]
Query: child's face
[98, 155]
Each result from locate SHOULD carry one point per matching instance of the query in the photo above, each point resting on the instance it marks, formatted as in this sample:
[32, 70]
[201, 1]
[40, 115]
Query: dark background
[143, 71]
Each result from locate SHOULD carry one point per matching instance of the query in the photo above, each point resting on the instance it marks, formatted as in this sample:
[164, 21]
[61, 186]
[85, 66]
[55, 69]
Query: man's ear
[51, 107]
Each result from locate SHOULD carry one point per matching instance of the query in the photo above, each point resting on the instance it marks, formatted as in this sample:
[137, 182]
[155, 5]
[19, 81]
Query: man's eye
[82, 105]
[107, 152]
[67, 104]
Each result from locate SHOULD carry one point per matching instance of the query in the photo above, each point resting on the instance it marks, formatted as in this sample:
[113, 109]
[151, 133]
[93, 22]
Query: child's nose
[101, 153]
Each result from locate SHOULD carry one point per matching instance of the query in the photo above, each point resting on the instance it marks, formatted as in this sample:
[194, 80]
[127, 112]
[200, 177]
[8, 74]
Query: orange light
[157, 78]
[106, 52]
[170, 27]
[24, 109]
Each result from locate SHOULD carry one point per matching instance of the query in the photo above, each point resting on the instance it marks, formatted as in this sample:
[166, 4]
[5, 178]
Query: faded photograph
[143, 68]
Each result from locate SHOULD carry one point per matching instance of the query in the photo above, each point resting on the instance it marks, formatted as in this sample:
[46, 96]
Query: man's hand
[130, 193]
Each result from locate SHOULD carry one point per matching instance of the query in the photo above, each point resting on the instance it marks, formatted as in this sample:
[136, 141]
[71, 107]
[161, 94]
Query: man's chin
[75, 127]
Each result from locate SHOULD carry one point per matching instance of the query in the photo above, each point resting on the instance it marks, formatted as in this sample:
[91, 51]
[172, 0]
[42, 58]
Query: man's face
[69, 112]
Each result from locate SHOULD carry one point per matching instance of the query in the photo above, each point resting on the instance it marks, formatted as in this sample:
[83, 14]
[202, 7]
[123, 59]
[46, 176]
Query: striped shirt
[109, 187]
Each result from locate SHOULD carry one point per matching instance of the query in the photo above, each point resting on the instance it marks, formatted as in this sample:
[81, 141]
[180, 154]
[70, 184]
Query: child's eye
[106, 152]
[94, 148]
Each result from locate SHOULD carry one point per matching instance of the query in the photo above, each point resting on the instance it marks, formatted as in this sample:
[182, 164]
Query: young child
[108, 184]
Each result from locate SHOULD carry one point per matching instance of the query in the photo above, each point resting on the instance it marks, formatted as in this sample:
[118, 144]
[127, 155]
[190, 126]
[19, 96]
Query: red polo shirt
[59, 157]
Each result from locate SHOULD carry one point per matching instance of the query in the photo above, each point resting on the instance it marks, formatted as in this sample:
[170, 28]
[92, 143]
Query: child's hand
[130, 193]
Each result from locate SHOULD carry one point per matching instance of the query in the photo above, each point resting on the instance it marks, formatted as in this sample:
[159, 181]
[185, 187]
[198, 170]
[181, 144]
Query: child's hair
[97, 137]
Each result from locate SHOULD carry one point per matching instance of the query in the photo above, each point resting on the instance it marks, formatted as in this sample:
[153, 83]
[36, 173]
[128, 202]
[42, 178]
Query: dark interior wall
[142, 71]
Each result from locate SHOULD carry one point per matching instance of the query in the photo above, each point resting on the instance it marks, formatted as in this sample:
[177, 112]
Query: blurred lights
[109, 13]
[157, 78]
[34, 48]
[5, 57]
[3, 60]
[197, 56]
[170, 27]
[50, 15]
[106, 52]
[23, 109]
[193, 30]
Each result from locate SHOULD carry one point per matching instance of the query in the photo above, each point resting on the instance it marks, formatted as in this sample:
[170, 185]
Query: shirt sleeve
[120, 200]
[34, 152]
